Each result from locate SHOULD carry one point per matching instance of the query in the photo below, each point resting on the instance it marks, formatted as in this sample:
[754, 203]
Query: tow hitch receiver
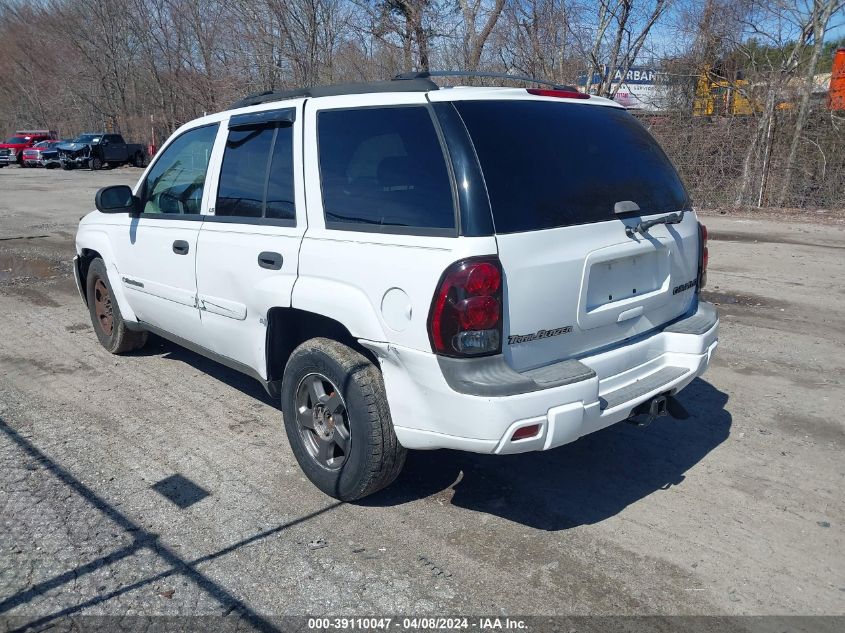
[659, 406]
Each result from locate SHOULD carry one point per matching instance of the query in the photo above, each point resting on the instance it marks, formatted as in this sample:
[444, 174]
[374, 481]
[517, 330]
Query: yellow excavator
[718, 96]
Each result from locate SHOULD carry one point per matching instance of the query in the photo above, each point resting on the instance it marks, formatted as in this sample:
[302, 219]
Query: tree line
[144, 67]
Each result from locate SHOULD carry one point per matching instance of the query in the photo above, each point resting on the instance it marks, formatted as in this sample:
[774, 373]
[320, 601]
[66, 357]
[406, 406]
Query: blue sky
[838, 30]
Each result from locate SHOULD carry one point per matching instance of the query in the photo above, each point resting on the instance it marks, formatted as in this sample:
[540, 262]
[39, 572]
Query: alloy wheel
[323, 421]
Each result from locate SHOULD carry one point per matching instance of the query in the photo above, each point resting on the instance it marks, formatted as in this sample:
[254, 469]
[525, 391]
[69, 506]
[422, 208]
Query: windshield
[42, 144]
[87, 138]
[549, 164]
[17, 140]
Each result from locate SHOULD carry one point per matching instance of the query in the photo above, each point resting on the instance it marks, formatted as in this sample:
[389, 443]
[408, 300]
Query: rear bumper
[429, 413]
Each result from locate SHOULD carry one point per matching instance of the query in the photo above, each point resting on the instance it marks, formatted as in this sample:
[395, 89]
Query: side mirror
[116, 199]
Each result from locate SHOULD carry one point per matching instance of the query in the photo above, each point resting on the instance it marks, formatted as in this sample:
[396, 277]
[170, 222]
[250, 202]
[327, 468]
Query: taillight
[560, 94]
[703, 257]
[466, 312]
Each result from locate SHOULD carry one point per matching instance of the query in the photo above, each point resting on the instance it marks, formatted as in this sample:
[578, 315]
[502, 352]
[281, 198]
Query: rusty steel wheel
[103, 307]
[112, 331]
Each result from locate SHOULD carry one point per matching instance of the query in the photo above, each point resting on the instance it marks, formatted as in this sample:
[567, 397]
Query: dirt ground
[738, 510]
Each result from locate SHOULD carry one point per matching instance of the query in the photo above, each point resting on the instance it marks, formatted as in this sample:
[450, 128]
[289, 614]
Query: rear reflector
[560, 94]
[525, 432]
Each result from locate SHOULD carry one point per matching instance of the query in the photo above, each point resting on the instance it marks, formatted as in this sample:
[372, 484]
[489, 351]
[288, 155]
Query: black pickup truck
[98, 150]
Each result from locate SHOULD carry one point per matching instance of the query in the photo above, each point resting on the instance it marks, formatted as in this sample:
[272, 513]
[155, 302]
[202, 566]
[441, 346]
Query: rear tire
[105, 314]
[340, 395]
[137, 160]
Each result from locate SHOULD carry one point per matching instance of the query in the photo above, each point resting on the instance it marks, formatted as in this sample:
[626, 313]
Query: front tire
[95, 163]
[105, 314]
[338, 422]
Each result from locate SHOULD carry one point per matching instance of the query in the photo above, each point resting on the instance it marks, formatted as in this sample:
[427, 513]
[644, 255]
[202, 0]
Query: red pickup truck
[12, 150]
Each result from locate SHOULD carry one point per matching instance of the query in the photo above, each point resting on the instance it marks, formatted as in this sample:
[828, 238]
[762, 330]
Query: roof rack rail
[405, 82]
[427, 74]
[420, 84]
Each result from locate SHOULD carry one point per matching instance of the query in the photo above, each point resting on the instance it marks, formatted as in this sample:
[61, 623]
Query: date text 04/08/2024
[418, 623]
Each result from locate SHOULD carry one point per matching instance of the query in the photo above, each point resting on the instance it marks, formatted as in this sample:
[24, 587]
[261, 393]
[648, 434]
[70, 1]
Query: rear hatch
[559, 176]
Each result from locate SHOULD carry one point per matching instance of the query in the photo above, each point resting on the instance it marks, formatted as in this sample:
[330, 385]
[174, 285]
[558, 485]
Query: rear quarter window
[550, 165]
[383, 170]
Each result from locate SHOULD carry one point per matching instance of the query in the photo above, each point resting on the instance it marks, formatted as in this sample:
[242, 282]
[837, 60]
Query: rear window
[549, 165]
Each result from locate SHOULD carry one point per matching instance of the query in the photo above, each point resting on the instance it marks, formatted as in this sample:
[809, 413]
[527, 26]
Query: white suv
[494, 270]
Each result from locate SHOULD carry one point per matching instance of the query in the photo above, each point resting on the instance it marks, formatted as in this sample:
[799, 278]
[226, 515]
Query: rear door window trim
[284, 117]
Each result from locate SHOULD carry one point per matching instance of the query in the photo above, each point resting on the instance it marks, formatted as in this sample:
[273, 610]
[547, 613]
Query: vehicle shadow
[157, 346]
[581, 483]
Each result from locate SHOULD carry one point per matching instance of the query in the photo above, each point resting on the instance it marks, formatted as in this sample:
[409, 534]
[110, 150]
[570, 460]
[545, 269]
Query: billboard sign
[640, 88]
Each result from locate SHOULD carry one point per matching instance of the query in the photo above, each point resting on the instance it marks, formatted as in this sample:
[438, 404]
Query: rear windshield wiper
[645, 225]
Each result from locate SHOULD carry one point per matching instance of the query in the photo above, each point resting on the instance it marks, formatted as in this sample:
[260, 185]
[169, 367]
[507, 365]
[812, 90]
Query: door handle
[270, 260]
[180, 247]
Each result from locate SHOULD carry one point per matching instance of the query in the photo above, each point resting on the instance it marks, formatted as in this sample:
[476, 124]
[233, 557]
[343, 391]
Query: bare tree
[474, 39]
[628, 40]
[620, 30]
[412, 21]
[536, 40]
[773, 71]
[818, 21]
[146, 66]
[107, 51]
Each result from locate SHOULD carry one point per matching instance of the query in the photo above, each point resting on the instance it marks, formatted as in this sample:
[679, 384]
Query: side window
[256, 178]
[244, 171]
[383, 168]
[280, 200]
[176, 180]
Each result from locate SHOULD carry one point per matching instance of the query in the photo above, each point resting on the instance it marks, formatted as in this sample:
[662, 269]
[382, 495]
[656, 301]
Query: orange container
[836, 95]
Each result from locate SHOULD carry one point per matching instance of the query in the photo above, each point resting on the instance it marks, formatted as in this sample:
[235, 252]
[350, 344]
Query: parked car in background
[12, 150]
[34, 156]
[98, 150]
[50, 156]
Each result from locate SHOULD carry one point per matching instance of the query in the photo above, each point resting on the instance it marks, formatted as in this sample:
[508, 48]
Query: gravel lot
[738, 510]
